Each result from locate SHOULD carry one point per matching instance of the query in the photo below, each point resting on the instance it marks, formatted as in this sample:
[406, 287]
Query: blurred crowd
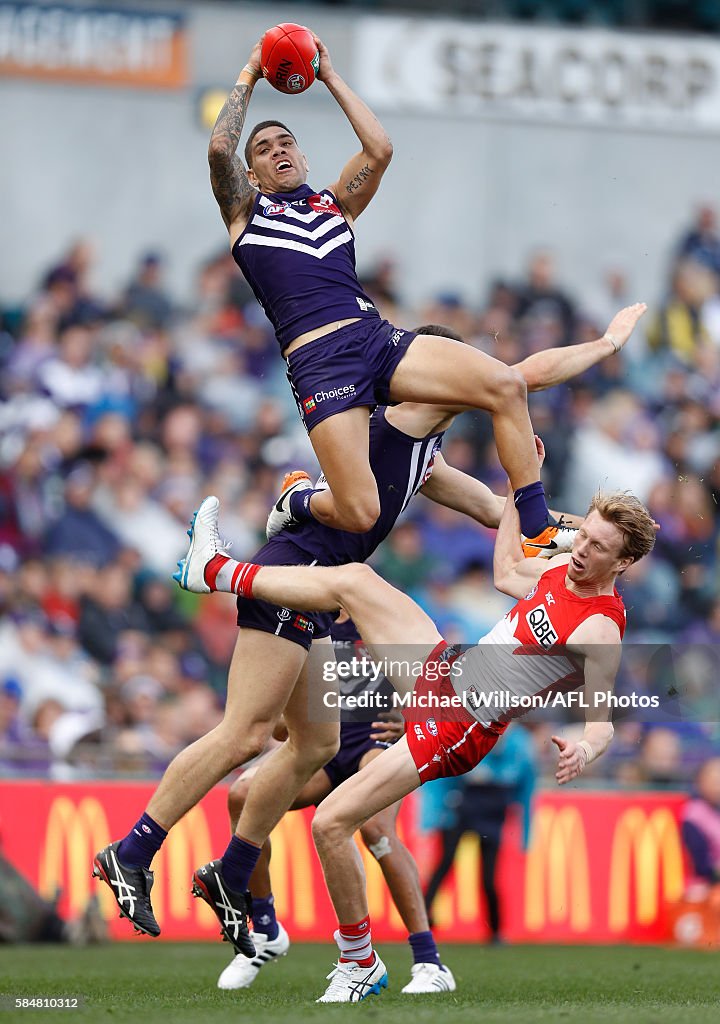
[120, 412]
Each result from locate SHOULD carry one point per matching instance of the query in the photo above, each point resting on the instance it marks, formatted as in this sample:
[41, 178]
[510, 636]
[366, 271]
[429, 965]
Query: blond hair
[629, 515]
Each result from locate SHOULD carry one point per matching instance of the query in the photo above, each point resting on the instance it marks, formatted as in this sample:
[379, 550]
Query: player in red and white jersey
[511, 660]
[564, 632]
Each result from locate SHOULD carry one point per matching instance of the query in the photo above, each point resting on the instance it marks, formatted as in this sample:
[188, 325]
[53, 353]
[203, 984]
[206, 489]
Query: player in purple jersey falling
[268, 672]
[295, 247]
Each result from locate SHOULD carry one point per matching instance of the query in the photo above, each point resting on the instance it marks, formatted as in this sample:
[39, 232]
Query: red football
[289, 57]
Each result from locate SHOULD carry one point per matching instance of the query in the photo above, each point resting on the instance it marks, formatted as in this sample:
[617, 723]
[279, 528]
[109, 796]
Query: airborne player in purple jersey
[269, 673]
[295, 246]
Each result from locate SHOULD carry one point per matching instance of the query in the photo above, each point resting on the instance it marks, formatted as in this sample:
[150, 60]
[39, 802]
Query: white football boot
[430, 978]
[241, 972]
[205, 543]
[280, 514]
[349, 982]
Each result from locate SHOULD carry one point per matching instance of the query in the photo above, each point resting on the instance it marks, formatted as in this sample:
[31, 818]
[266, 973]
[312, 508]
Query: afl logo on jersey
[431, 726]
[323, 204]
[275, 209]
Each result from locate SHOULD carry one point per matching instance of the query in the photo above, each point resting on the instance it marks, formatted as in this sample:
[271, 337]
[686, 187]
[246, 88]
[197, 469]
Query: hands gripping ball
[289, 57]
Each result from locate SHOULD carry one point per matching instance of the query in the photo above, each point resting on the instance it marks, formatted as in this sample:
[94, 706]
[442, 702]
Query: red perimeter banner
[600, 868]
[99, 45]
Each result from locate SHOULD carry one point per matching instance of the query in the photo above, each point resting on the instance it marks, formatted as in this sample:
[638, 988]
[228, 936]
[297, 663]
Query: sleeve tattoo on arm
[229, 181]
[361, 177]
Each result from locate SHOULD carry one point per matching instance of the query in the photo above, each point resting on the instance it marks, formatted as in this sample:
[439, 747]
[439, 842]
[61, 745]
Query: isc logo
[542, 628]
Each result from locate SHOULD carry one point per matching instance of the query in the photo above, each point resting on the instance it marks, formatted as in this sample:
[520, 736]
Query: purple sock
[300, 505]
[141, 843]
[532, 507]
[424, 949]
[238, 863]
[263, 916]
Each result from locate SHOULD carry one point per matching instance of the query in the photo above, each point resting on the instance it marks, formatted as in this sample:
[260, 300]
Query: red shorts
[451, 742]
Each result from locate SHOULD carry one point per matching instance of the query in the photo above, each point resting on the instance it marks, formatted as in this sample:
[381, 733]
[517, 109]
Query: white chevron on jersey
[292, 229]
[286, 243]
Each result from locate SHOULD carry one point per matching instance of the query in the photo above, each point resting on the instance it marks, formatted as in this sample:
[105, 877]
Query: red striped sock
[231, 577]
[242, 578]
[355, 943]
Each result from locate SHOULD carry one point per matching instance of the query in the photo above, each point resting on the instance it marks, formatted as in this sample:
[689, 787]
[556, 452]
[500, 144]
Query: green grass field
[151, 982]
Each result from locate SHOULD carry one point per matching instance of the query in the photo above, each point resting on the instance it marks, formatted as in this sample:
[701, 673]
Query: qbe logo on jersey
[542, 628]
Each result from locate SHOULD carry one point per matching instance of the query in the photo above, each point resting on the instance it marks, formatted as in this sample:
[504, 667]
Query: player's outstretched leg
[429, 974]
[131, 888]
[388, 778]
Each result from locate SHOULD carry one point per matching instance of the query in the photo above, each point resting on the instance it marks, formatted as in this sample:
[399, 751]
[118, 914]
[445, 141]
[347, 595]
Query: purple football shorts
[355, 742]
[300, 627]
[349, 367]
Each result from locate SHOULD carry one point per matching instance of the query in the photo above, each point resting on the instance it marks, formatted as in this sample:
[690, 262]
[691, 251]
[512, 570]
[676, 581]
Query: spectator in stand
[156, 599]
[621, 438]
[680, 328]
[107, 612]
[14, 734]
[685, 512]
[26, 499]
[405, 561]
[68, 284]
[701, 824]
[659, 764]
[702, 241]
[540, 298]
[141, 522]
[71, 378]
[146, 301]
[79, 533]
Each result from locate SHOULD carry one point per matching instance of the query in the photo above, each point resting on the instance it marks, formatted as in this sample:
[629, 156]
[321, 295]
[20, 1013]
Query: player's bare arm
[361, 176]
[228, 176]
[454, 489]
[556, 365]
[598, 642]
[553, 366]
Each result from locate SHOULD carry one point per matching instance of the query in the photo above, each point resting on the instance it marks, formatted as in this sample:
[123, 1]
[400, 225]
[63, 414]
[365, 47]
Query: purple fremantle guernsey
[401, 465]
[298, 255]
